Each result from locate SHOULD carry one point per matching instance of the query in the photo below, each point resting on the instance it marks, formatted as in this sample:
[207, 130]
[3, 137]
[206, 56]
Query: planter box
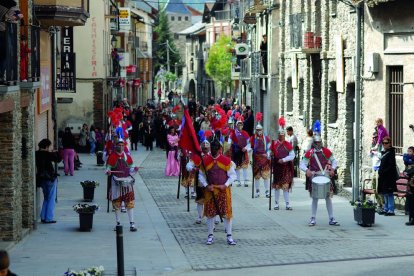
[88, 193]
[364, 216]
[85, 221]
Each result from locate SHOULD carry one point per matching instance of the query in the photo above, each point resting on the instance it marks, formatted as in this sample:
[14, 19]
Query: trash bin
[99, 158]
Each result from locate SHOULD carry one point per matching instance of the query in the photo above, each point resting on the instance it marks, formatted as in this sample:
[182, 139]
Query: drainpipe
[357, 127]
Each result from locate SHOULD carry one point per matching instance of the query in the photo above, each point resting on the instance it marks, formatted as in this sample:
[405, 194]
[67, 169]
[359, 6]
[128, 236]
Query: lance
[270, 188]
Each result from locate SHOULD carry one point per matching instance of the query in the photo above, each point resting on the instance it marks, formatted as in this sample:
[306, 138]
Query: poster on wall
[339, 55]
[43, 97]
[294, 68]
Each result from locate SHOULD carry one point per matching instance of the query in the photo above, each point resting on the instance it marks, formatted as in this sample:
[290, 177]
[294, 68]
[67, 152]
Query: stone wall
[28, 160]
[11, 173]
[314, 97]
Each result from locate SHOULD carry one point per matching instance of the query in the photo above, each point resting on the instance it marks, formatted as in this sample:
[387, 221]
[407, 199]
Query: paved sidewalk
[169, 242]
[53, 248]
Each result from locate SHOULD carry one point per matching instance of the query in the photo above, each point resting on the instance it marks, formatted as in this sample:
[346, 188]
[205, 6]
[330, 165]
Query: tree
[162, 33]
[218, 65]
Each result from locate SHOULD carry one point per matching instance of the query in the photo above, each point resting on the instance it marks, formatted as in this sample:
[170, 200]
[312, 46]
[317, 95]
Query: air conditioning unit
[242, 49]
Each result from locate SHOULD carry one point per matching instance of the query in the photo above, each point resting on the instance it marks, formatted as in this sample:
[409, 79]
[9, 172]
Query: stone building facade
[179, 19]
[25, 112]
[388, 85]
[317, 81]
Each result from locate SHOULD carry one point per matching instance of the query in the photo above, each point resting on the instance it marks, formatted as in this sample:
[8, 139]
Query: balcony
[61, 12]
[257, 6]
[8, 58]
[34, 72]
[222, 15]
[245, 69]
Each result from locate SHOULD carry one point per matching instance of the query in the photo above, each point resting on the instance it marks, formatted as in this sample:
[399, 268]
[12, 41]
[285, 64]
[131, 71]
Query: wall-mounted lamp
[113, 40]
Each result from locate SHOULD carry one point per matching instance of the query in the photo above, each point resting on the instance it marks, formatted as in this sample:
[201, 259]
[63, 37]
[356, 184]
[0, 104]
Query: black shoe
[389, 214]
[410, 223]
[382, 212]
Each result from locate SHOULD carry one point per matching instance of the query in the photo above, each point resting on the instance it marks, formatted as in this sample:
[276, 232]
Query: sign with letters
[66, 79]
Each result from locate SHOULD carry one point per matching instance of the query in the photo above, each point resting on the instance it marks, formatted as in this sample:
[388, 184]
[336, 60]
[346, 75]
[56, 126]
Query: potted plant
[89, 189]
[364, 212]
[86, 212]
[92, 271]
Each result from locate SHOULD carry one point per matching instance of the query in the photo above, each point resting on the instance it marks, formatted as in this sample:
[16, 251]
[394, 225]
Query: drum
[321, 186]
[124, 181]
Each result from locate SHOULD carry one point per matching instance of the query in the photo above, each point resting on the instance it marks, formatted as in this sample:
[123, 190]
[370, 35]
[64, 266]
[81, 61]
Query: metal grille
[396, 108]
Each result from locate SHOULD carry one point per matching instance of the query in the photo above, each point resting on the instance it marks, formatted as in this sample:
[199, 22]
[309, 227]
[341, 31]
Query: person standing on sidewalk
[283, 154]
[68, 143]
[83, 138]
[92, 140]
[319, 161]
[47, 179]
[216, 174]
[387, 176]
[120, 165]
[261, 157]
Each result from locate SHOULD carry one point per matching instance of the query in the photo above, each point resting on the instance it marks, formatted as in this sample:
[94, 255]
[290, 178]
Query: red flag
[188, 137]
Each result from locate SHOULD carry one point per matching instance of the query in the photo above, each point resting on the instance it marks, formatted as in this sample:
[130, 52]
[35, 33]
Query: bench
[402, 188]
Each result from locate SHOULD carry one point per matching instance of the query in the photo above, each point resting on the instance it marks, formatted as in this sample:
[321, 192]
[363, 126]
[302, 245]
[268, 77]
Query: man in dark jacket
[248, 124]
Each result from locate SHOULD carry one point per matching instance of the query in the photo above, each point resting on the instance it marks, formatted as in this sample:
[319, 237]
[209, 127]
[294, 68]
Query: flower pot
[85, 221]
[88, 193]
[364, 216]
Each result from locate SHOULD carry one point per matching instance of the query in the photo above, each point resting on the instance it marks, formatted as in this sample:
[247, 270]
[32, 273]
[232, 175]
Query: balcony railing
[222, 15]
[35, 54]
[245, 69]
[257, 6]
[8, 56]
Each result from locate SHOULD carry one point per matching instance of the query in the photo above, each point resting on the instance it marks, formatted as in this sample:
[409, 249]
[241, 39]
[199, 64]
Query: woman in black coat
[387, 176]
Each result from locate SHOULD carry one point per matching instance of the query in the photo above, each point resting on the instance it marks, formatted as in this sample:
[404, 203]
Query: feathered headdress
[282, 124]
[176, 108]
[239, 118]
[317, 131]
[259, 117]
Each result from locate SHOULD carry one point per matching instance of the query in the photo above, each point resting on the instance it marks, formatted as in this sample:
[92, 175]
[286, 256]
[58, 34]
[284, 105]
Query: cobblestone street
[267, 238]
[169, 242]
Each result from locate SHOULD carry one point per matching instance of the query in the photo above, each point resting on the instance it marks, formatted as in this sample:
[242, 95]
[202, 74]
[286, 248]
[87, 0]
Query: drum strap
[319, 164]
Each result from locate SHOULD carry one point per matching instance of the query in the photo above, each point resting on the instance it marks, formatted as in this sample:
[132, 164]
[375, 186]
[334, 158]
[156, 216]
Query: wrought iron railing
[35, 54]
[8, 59]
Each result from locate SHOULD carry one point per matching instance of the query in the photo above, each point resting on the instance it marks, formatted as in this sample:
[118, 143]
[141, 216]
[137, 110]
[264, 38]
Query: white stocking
[266, 184]
[286, 197]
[257, 184]
[191, 189]
[245, 174]
[329, 207]
[130, 213]
[210, 225]
[314, 207]
[225, 225]
[277, 194]
[200, 210]
[238, 174]
[229, 227]
[117, 218]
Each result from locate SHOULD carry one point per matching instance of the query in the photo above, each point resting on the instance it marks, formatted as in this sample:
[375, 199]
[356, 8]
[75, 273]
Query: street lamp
[113, 41]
